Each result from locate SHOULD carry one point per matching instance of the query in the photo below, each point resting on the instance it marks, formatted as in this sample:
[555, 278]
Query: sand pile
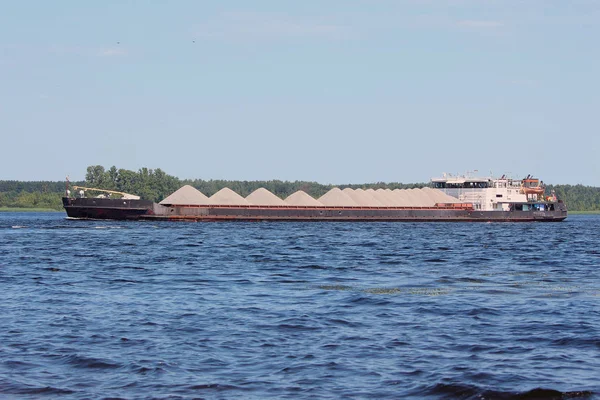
[426, 197]
[392, 196]
[430, 195]
[447, 198]
[432, 198]
[411, 198]
[386, 198]
[402, 199]
[187, 195]
[300, 198]
[362, 198]
[262, 197]
[227, 197]
[441, 197]
[369, 196]
[429, 191]
[336, 198]
[423, 199]
[378, 197]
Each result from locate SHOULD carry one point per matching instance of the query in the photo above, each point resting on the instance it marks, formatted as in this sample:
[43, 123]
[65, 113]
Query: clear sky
[335, 91]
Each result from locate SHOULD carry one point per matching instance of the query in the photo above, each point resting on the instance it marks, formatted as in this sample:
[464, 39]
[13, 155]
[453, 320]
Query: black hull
[95, 208]
[141, 209]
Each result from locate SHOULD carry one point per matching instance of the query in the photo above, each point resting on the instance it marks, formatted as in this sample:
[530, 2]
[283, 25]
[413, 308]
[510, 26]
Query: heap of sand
[385, 197]
[448, 198]
[429, 193]
[262, 197]
[186, 196]
[336, 198]
[378, 197]
[369, 196]
[411, 198]
[392, 196]
[423, 200]
[414, 198]
[227, 197]
[300, 198]
[362, 198]
[402, 199]
[440, 196]
[426, 197]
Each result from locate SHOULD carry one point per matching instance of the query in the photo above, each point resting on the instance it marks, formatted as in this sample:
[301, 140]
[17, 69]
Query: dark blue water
[93, 309]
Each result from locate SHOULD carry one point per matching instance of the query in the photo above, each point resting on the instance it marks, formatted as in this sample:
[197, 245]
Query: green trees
[147, 183]
[35, 199]
[97, 177]
[577, 197]
[37, 194]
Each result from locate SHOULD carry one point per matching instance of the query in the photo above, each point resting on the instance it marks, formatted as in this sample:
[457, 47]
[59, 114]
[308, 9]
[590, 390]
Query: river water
[112, 309]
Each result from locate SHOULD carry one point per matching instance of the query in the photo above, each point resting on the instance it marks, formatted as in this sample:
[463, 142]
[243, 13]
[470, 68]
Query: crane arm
[105, 190]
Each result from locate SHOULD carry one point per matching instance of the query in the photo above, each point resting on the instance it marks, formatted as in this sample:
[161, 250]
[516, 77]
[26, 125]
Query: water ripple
[102, 309]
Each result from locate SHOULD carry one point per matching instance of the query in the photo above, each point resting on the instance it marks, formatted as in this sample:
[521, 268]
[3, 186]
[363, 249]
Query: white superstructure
[493, 194]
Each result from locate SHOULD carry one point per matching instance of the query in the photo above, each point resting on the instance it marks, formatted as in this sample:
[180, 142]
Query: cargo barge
[449, 199]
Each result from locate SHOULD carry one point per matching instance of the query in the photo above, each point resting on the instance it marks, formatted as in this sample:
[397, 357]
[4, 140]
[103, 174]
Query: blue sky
[331, 91]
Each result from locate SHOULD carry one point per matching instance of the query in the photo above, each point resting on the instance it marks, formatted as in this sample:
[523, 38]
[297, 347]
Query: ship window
[498, 195]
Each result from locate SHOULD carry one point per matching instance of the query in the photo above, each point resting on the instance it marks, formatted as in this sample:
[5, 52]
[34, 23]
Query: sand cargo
[448, 199]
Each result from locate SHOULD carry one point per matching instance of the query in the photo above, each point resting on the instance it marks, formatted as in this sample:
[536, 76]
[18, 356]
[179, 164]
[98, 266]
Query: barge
[449, 199]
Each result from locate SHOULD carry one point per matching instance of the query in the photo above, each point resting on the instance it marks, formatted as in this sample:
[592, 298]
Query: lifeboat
[532, 186]
[533, 190]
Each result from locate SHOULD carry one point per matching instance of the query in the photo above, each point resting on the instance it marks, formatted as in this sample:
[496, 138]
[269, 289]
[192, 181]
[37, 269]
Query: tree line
[32, 194]
[155, 185]
[577, 197]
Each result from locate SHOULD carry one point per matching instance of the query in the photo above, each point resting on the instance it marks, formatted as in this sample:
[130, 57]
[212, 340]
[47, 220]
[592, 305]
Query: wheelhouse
[496, 194]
